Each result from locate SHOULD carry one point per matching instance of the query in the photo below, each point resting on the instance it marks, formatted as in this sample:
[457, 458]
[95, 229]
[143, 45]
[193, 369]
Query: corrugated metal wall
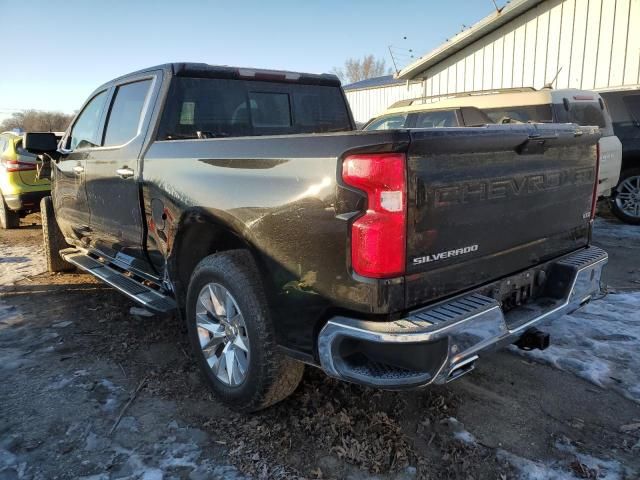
[594, 44]
[368, 103]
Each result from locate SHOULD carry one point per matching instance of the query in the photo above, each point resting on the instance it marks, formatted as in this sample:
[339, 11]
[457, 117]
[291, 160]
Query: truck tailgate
[484, 203]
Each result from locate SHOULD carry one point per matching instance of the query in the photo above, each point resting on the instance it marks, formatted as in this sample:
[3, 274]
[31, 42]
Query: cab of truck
[528, 105]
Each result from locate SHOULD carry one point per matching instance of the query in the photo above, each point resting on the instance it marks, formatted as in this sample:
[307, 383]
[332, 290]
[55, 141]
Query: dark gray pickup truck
[245, 201]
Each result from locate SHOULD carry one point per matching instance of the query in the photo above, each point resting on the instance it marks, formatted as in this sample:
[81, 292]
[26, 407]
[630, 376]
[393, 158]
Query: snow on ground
[573, 466]
[569, 465]
[18, 262]
[600, 343]
[613, 228]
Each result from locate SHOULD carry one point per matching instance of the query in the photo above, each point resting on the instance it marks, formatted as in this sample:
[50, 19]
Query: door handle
[125, 172]
[78, 169]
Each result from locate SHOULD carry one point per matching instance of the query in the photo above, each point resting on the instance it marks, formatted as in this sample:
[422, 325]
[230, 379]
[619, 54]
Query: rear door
[114, 172]
[485, 203]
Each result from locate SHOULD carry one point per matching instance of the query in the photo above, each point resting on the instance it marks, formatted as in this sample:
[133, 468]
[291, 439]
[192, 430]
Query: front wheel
[625, 201]
[230, 331]
[8, 218]
[53, 239]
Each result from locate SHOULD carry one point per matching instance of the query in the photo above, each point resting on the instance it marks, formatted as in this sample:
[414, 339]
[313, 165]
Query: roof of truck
[204, 70]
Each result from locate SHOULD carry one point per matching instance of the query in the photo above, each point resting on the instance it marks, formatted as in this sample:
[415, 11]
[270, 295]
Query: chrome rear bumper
[441, 342]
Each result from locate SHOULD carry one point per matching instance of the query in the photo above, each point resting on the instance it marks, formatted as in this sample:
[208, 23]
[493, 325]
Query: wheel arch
[200, 234]
[630, 161]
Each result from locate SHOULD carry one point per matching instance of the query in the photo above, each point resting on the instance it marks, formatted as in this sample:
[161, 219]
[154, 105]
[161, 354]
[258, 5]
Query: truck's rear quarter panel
[280, 194]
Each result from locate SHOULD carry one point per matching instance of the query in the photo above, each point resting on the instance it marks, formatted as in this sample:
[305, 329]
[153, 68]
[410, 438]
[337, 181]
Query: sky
[58, 52]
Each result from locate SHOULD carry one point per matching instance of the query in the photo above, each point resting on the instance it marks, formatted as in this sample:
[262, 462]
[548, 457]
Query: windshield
[214, 107]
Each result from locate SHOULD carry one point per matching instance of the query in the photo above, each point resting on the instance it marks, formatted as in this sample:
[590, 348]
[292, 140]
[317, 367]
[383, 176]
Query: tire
[8, 218]
[625, 200]
[53, 239]
[269, 376]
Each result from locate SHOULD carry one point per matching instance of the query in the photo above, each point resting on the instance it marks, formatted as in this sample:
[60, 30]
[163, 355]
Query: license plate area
[518, 290]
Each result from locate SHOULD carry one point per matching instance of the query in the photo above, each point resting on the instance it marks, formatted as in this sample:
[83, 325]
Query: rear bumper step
[153, 299]
[441, 342]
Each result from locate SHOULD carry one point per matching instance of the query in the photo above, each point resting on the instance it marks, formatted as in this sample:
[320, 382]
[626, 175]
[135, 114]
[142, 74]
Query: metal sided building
[368, 98]
[587, 44]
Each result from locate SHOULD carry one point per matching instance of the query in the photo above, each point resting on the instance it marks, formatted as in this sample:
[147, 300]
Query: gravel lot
[89, 390]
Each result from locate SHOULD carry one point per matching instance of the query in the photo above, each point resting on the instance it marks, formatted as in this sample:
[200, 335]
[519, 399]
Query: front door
[113, 175]
[68, 188]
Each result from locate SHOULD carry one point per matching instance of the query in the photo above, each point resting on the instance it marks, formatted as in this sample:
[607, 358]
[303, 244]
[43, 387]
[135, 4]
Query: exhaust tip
[462, 368]
[534, 339]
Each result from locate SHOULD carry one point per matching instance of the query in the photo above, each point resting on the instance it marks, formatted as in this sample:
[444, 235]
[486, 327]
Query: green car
[20, 189]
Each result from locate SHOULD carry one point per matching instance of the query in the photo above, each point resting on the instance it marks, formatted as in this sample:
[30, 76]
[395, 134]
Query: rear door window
[123, 123]
[388, 122]
[473, 117]
[214, 108]
[520, 114]
[436, 119]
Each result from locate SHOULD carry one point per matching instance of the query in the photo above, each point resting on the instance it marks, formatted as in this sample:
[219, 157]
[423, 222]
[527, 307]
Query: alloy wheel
[628, 196]
[223, 334]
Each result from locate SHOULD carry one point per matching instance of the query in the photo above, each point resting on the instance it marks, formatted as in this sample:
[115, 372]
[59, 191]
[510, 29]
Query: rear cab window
[219, 108]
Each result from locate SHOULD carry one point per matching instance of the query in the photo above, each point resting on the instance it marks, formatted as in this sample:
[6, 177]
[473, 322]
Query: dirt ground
[89, 390]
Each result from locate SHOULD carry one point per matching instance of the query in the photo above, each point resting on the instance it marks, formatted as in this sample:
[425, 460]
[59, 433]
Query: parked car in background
[246, 200]
[624, 107]
[20, 189]
[403, 115]
[527, 105]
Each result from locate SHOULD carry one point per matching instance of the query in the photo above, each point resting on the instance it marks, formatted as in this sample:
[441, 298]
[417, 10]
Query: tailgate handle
[535, 144]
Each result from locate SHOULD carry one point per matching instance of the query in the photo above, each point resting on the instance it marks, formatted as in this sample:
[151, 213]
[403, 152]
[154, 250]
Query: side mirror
[40, 142]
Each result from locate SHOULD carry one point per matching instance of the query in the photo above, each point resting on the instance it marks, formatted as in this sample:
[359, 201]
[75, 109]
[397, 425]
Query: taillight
[378, 238]
[18, 166]
[594, 200]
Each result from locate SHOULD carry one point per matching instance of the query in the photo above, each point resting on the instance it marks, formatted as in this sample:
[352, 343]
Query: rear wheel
[625, 201]
[232, 336]
[53, 238]
[8, 218]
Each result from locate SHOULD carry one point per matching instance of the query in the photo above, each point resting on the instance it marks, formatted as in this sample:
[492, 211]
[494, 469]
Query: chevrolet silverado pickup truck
[245, 201]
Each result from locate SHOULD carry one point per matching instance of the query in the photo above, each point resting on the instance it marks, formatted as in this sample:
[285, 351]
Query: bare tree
[36, 121]
[356, 69]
